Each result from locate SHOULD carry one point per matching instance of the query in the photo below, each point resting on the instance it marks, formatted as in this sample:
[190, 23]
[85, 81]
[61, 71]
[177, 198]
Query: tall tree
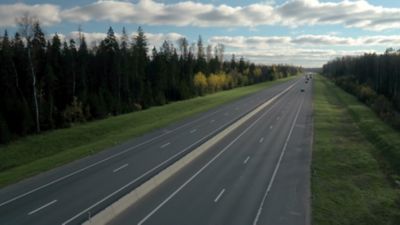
[141, 60]
[6, 89]
[49, 83]
[53, 67]
[26, 26]
[82, 62]
[233, 62]
[20, 64]
[201, 60]
[125, 89]
[209, 53]
[183, 47]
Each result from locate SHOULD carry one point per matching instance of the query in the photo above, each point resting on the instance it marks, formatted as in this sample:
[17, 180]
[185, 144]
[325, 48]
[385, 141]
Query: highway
[259, 174]
[74, 192]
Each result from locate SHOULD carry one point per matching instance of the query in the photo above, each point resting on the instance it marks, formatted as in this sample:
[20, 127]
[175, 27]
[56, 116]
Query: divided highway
[74, 192]
[258, 174]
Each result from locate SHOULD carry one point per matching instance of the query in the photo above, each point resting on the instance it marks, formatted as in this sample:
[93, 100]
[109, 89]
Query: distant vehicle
[302, 90]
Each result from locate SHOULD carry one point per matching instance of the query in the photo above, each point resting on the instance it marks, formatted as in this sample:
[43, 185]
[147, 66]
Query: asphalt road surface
[259, 174]
[74, 192]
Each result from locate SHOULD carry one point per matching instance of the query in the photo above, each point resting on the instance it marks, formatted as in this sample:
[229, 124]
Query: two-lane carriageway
[258, 174]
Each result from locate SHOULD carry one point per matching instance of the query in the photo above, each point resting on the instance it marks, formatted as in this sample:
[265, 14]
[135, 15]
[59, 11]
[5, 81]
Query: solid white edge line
[120, 168]
[166, 161]
[219, 195]
[206, 165]
[149, 171]
[41, 207]
[104, 160]
[277, 165]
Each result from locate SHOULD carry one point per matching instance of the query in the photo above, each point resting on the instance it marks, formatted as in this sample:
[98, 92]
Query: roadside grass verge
[350, 183]
[38, 153]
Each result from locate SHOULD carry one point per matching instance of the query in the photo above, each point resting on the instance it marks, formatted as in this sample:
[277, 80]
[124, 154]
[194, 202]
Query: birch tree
[26, 26]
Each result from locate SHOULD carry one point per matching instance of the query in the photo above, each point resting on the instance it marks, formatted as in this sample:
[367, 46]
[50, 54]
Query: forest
[52, 83]
[373, 78]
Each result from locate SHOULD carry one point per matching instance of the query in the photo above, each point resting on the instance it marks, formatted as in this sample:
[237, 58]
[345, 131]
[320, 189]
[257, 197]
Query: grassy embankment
[34, 154]
[352, 177]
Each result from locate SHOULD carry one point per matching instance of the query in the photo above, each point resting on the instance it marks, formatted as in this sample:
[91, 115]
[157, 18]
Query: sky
[299, 32]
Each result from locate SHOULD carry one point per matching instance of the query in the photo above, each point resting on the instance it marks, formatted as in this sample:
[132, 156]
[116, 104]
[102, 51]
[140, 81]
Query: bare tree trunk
[26, 24]
[16, 75]
[17, 79]
[34, 91]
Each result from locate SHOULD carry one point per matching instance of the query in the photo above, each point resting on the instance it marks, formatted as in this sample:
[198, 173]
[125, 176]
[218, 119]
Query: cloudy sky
[300, 32]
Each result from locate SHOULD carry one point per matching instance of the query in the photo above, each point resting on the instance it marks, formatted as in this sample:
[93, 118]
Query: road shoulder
[348, 184]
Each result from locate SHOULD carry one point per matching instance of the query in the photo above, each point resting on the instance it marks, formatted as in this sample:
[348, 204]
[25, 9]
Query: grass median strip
[38, 153]
[349, 185]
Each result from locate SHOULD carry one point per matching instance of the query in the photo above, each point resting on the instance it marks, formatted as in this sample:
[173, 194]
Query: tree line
[49, 84]
[373, 78]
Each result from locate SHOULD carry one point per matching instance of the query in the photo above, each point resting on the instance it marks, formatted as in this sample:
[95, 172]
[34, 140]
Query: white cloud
[305, 40]
[306, 50]
[250, 42]
[158, 38]
[292, 13]
[303, 51]
[358, 13]
[153, 39]
[92, 38]
[114, 11]
[295, 55]
[178, 14]
[47, 14]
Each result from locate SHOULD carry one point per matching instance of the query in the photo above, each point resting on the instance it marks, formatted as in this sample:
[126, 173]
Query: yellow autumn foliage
[200, 82]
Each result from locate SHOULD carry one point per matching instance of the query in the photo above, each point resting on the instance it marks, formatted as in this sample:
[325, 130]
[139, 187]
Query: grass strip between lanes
[349, 182]
[38, 153]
